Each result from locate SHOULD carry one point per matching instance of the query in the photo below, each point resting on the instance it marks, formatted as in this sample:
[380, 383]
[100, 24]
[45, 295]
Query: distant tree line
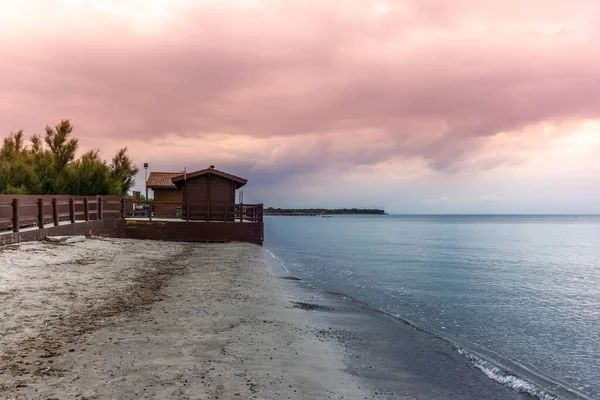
[271, 210]
[48, 165]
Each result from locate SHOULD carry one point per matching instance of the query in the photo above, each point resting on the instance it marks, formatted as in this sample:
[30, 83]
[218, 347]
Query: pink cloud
[354, 82]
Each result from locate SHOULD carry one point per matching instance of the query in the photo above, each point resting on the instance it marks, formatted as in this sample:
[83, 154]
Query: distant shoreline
[314, 212]
[475, 215]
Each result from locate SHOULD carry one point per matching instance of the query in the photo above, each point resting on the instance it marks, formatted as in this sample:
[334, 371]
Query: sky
[413, 106]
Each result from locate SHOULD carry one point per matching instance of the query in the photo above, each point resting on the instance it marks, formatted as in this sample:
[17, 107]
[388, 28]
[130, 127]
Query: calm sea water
[517, 292]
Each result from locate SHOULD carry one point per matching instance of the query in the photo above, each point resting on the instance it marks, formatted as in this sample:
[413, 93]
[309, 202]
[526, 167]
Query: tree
[42, 161]
[90, 176]
[61, 145]
[16, 172]
[49, 165]
[123, 171]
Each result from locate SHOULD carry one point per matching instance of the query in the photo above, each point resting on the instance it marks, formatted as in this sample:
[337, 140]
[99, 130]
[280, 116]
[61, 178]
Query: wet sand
[397, 359]
[126, 319]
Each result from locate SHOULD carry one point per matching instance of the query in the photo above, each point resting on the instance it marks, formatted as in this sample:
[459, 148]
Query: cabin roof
[181, 176]
[162, 180]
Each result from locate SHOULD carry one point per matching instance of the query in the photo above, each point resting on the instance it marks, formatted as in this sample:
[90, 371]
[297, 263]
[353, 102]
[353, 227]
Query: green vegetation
[318, 211]
[48, 165]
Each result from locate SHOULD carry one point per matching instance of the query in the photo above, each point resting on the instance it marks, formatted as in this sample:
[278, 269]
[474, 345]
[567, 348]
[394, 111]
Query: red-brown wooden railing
[195, 211]
[17, 212]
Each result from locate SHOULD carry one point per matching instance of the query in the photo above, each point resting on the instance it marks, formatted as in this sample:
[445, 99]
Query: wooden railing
[19, 212]
[195, 211]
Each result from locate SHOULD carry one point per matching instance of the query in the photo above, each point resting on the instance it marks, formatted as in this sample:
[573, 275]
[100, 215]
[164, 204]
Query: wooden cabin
[168, 197]
[196, 207]
[209, 194]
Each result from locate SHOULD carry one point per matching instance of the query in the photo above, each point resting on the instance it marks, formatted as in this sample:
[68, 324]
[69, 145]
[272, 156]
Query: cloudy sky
[415, 106]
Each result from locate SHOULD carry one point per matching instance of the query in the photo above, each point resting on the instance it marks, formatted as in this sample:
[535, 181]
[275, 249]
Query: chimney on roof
[212, 167]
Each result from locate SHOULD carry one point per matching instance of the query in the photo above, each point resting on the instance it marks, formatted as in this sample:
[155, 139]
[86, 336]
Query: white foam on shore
[507, 379]
[279, 261]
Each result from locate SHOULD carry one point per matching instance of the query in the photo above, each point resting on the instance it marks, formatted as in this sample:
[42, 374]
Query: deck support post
[15, 206]
[41, 213]
[86, 209]
[72, 209]
[55, 211]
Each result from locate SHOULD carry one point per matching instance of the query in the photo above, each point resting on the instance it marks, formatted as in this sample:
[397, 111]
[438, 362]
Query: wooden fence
[20, 212]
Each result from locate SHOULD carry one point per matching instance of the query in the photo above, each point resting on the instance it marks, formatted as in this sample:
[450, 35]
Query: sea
[518, 296]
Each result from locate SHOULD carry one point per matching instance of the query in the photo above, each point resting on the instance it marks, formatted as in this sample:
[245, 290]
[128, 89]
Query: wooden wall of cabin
[169, 196]
[210, 194]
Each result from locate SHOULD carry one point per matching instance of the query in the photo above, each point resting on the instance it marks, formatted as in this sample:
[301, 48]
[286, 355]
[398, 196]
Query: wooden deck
[25, 218]
[195, 221]
[195, 231]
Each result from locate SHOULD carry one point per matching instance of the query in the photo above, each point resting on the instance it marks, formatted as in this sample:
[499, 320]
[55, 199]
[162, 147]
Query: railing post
[86, 209]
[188, 209]
[99, 216]
[41, 219]
[72, 209]
[150, 212]
[123, 208]
[55, 211]
[15, 206]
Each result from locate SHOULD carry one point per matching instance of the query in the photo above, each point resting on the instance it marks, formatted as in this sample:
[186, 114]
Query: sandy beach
[126, 319]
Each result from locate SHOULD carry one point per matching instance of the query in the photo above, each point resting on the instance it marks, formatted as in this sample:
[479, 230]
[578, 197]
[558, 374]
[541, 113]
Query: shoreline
[486, 377]
[134, 319]
[399, 359]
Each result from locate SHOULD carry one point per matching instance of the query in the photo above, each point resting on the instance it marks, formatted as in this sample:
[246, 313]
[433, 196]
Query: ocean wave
[279, 261]
[507, 379]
